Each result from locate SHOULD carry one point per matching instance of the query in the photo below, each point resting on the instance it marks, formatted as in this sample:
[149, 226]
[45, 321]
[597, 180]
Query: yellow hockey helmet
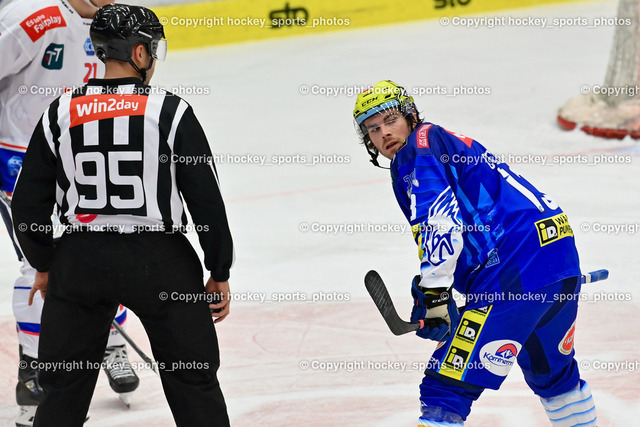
[381, 96]
[384, 95]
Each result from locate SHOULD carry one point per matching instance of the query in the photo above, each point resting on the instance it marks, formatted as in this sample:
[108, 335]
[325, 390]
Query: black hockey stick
[380, 296]
[152, 363]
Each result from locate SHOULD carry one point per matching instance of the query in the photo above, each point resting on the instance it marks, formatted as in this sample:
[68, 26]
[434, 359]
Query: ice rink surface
[281, 360]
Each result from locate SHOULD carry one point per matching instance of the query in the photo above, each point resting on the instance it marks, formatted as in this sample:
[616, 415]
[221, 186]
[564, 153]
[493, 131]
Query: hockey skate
[122, 379]
[29, 394]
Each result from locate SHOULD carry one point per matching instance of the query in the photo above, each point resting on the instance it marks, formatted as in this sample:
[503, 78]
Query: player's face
[388, 131]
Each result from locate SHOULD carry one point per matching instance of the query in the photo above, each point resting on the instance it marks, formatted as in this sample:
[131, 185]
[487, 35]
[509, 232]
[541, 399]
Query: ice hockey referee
[116, 157]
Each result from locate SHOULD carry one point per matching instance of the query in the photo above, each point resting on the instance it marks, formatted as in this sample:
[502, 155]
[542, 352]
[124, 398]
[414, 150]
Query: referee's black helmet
[117, 28]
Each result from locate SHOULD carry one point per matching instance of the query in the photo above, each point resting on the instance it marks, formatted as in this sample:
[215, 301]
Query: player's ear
[413, 122]
[138, 54]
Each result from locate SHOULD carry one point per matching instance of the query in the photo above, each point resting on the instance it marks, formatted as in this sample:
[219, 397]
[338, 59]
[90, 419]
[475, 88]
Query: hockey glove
[435, 308]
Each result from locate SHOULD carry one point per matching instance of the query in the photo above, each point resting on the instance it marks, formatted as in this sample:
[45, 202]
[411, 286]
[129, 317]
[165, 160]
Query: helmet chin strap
[374, 158]
[141, 71]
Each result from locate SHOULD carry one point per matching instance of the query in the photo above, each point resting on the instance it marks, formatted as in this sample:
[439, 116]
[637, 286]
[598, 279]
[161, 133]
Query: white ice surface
[255, 107]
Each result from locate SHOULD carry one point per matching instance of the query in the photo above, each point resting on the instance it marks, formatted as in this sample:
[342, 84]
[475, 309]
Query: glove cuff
[432, 291]
[435, 297]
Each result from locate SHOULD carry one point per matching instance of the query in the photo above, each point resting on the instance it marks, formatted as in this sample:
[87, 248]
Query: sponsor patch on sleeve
[42, 21]
[53, 57]
[554, 228]
[423, 136]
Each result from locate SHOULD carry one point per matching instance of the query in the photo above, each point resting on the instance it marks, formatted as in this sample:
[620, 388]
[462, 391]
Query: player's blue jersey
[478, 224]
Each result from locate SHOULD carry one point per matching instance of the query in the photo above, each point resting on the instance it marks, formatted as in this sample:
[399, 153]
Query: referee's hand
[40, 284]
[222, 290]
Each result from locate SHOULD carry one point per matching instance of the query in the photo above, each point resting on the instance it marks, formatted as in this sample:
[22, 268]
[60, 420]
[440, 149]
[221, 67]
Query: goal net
[613, 109]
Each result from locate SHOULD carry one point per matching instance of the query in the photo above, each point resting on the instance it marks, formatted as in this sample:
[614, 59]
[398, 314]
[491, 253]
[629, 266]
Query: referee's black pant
[150, 273]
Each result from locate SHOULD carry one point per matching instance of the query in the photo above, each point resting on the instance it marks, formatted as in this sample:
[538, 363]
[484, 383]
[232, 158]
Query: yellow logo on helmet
[381, 96]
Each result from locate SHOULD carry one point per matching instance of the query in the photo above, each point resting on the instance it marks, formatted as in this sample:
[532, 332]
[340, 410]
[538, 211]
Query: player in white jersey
[46, 50]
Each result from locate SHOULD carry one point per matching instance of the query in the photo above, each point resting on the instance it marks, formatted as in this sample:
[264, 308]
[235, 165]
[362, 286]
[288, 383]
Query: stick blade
[595, 276]
[380, 296]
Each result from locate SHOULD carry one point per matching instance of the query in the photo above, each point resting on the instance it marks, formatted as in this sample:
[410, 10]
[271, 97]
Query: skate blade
[126, 398]
[26, 416]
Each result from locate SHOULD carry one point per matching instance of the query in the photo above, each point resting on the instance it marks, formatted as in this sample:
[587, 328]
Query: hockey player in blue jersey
[486, 232]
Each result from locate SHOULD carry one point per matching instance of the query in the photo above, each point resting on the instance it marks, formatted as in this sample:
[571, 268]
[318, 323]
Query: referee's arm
[198, 184]
[34, 199]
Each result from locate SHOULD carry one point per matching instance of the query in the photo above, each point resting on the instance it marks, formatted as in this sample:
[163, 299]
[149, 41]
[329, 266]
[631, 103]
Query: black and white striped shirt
[118, 155]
